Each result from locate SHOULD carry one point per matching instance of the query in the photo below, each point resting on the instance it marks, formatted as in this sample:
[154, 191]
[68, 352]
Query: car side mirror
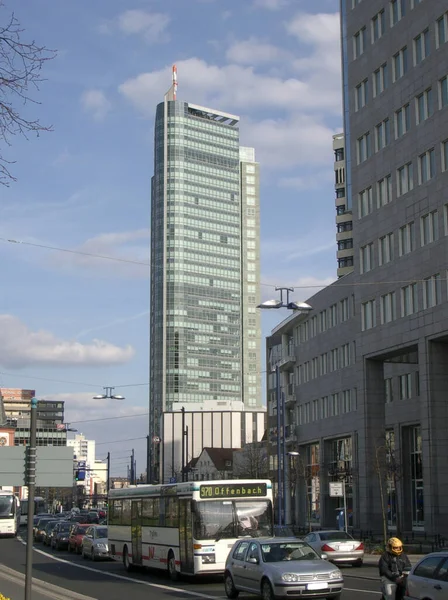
[253, 560]
[323, 556]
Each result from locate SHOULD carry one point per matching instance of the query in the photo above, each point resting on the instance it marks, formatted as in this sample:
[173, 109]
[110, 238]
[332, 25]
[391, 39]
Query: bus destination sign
[233, 490]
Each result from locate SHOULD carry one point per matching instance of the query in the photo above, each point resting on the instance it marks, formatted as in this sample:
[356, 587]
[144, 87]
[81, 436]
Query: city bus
[9, 513]
[40, 506]
[186, 528]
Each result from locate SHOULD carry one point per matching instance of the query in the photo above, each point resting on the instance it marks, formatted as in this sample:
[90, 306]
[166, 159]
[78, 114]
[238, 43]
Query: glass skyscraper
[205, 328]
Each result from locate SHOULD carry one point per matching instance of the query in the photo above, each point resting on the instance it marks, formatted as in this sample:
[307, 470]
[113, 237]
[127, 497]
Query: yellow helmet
[395, 546]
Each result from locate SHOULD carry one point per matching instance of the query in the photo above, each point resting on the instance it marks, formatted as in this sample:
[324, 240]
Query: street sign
[173, 479]
[336, 489]
[54, 466]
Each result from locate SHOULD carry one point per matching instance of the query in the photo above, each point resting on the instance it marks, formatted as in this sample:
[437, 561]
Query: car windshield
[334, 535]
[273, 552]
[101, 532]
[6, 506]
[64, 527]
[80, 530]
[227, 519]
[50, 525]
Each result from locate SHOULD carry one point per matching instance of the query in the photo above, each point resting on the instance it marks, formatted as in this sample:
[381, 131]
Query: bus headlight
[208, 559]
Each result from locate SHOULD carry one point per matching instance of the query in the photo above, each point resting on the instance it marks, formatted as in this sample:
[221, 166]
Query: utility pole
[31, 483]
[108, 475]
[132, 468]
[182, 410]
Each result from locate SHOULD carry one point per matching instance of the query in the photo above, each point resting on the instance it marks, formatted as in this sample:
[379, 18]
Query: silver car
[429, 578]
[94, 544]
[339, 546]
[280, 568]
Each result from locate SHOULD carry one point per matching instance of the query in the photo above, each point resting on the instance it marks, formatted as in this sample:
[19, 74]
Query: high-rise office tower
[205, 328]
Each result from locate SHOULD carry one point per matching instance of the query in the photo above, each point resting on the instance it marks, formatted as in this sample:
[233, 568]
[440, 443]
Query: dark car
[39, 529]
[93, 517]
[59, 535]
[46, 538]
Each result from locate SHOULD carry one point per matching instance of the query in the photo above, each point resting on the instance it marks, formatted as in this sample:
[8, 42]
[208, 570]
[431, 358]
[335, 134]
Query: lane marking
[124, 577]
[363, 591]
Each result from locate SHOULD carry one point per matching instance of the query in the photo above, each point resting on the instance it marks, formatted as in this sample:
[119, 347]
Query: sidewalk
[12, 585]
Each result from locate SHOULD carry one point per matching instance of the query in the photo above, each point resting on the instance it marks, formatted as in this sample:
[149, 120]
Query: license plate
[317, 586]
[345, 546]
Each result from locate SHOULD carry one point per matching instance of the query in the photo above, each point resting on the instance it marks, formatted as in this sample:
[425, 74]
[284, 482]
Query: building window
[429, 228]
[405, 179]
[346, 226]
[431, 291]
[323, 321]
[333, 316]
[365, 202]
[426, 166]
[397, 11]
[400, 64]
[364, 147]
[415, 3]
[445, 155]
[345, 244]
[385, 249]
[368, 315]
[345, 310]
[382, 135]
[359, 43]
[339, 154]
[361, 94]
[416, 468]
[402, 120]
[424, 106]
[344, 352]
[388, 390]
[384, 191]
[345, 262]
[445, 219]
[340, 193]
[366, 258]
[334, 362]
[378, 26]
[421, 47]
[323, 364]
[313, 326]
[334, 405]
[442, 30]
[387, 308]
[380, 80]
[406, 239]
[405, 386]
[443, 92]
[409, 300]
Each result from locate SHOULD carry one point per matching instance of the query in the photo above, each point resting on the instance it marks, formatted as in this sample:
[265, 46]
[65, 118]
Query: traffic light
[80, 475]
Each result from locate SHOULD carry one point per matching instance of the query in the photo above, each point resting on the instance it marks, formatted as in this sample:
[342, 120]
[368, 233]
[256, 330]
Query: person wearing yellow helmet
[392, 565]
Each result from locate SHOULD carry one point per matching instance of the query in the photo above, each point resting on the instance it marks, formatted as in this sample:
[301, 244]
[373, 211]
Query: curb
[43, 587]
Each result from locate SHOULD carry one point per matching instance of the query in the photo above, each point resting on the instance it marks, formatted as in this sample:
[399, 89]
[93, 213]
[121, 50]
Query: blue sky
[86, 185]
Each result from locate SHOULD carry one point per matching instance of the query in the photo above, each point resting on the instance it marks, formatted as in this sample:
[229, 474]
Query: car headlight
[290, 577]
[336, 575]
[102, 546]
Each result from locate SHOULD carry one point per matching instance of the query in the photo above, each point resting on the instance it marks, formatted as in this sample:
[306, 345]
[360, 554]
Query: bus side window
[115, 509]
[172, 512]
[126, 513]
[162, 512]
[147, 512]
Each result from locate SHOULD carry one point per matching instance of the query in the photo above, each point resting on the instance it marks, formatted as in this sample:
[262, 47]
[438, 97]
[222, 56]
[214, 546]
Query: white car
[94, 543]
[428, 579]
[339, 546]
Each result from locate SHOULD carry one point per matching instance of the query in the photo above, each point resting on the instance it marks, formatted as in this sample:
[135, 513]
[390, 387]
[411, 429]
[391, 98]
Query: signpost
[337, 490]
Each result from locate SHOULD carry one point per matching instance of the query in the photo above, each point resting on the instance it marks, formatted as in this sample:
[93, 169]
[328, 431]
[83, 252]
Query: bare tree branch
[20, 71]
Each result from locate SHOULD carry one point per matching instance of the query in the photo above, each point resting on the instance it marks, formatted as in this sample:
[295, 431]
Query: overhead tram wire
[337, 282]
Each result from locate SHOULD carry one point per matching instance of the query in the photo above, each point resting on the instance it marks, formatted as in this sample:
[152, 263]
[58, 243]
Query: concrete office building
[369, 365]
[344, 225]
[205, 284]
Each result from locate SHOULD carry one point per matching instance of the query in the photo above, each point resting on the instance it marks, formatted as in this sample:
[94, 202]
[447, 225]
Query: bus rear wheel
[126, 560]
[172, 571]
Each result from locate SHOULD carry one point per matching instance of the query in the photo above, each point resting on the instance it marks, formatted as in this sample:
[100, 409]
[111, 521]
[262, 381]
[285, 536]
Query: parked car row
[89, 540]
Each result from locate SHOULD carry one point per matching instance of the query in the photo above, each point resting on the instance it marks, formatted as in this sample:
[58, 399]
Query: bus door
[136, 531]
[186, 536]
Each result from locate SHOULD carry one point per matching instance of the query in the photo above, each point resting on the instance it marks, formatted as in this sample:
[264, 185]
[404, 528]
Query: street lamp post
[108, 394]
[282, 482]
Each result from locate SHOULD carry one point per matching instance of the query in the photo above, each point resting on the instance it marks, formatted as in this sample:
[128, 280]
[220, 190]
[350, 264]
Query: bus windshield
[225, 519]
[6, 507]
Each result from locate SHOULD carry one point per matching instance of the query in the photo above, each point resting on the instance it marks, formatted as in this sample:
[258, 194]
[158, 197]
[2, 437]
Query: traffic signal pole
[31, 483]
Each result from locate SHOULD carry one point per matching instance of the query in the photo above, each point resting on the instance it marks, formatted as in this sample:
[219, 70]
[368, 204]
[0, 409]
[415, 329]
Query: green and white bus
[189, 527]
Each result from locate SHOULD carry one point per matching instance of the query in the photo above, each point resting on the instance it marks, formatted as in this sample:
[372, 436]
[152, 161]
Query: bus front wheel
[126, 560]
[172, 571]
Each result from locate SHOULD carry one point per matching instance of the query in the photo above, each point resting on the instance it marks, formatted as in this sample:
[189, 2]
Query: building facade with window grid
[344, 239]
[398, 291]
[205, 285]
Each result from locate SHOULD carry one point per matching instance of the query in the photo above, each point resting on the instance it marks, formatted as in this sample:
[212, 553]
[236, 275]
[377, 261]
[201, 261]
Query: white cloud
[152, 26]
[309, 181]
[269, 4]
[20, 347]
[230, 87]
[254, 51]
[113, 323]
[96, 103]
[130, 249]
[321, 28]
[284, 143]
